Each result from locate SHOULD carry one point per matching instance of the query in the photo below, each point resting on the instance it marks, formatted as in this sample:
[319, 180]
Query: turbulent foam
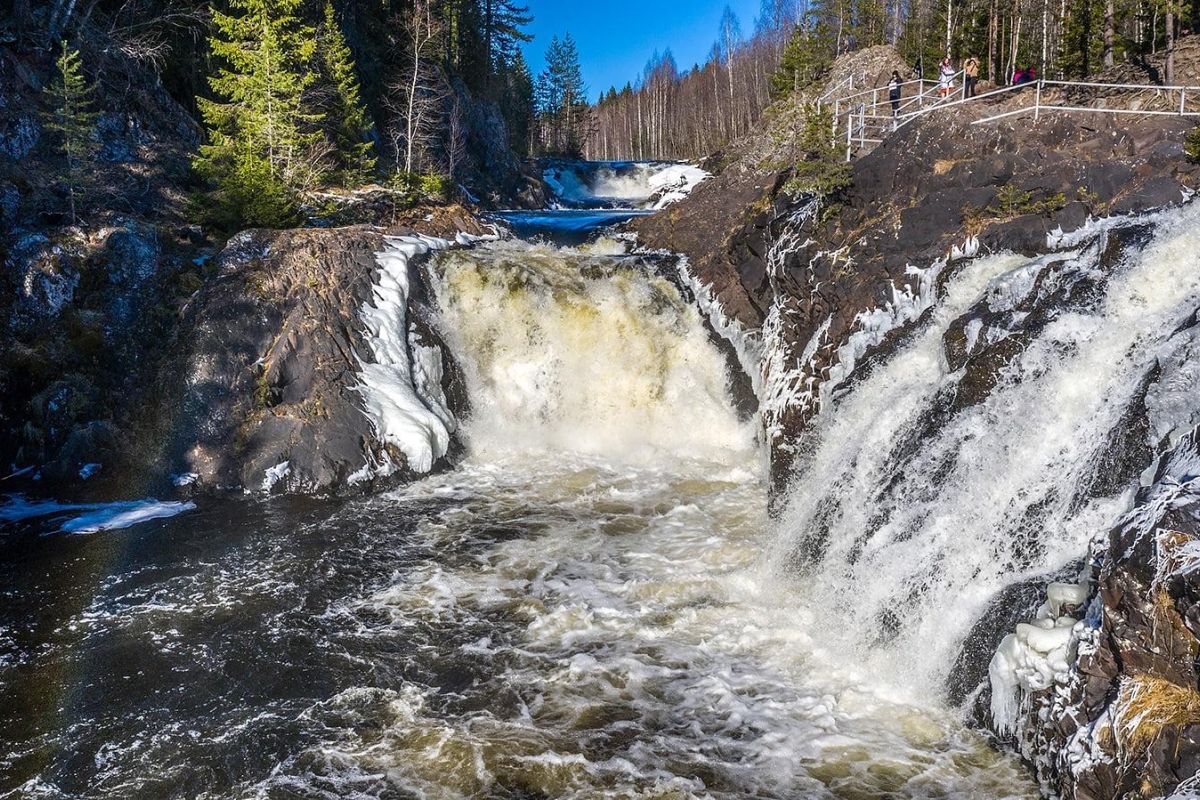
[580, 610]
[630, 647]
[567, 351]
[906, 519]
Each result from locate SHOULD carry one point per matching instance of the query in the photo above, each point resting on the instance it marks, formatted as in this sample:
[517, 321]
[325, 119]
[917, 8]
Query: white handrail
[1095, 85]
[1038, 103]
[857, 115]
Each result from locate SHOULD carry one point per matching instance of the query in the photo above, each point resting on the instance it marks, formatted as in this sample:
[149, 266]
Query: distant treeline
[669, 112]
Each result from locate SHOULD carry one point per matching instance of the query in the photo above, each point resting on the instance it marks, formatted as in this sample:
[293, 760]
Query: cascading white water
[902, 531]
[650, 185]
[580, 352]
[600, 570]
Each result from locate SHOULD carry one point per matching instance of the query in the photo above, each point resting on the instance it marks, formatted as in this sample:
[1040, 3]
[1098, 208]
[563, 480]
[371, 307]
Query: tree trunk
[1110, 32]
[1169, 75]
[1045, 37]
[949, 24]
[993, 69]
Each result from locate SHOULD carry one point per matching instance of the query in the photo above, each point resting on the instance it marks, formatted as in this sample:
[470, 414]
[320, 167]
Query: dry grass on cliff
[1146, 704]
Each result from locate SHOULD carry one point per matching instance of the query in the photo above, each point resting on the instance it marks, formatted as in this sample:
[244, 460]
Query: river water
[587, 607]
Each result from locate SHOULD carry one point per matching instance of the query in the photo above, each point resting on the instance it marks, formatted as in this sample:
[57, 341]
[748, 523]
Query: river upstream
[593, 604]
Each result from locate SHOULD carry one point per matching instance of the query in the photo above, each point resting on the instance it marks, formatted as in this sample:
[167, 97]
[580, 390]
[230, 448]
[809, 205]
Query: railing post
[1182, 102]
[849, 134]
[837, 108]
[1037, 102]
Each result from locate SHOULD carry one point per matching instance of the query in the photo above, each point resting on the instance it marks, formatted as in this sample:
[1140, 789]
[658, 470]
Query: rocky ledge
[252, 369]
[293, 366]
[1097, 685]
[800, 273]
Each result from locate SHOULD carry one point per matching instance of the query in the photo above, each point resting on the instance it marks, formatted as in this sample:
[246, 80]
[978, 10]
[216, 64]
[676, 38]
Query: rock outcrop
[811, 279]
[271, 360]
[1119, 715]
[1106, 702]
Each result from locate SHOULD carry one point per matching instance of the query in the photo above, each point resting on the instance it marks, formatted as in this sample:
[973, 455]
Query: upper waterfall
[649, 185]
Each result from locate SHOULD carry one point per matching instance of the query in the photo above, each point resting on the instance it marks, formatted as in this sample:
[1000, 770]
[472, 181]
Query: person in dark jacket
[894, 90]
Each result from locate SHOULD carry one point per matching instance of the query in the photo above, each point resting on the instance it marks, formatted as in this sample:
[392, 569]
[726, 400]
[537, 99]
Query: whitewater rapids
[583, 609]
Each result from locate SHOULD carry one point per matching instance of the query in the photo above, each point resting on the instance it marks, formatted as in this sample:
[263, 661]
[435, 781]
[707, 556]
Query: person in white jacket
[945, 78]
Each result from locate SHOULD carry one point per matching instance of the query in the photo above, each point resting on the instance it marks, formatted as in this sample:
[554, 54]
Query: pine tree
[349, 128]
[804, 59]
[562, 96]
[264, 144]
[73, 119]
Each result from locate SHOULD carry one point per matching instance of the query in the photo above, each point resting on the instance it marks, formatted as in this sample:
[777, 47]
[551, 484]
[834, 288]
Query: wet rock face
[270, 366]
[1124, 719]
[937, 184]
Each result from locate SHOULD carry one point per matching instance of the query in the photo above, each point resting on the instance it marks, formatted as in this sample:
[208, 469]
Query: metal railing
[1041, 102]
[871, 119]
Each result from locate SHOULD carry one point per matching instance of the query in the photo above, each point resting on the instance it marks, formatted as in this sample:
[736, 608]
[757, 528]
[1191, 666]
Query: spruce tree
[73, 120]
[349, 128]
[504, 23]
[563, 98]
[263, 140]
[804, 59]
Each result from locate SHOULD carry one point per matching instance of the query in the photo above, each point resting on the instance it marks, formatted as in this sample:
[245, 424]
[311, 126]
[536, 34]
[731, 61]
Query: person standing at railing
[945, 78]
[894, 89]
[970, 76]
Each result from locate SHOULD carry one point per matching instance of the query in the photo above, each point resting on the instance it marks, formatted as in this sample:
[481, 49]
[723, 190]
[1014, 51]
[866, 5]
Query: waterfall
[573, 351]
[982, 451]
[621, 184]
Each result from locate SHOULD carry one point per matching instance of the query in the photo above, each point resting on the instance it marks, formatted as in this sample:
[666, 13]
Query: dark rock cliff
[1124, 719]
[96, 310]
[822, 293]
[938, 184]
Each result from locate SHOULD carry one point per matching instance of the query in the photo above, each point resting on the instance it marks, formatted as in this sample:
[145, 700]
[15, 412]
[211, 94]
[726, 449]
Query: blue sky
[617, 37]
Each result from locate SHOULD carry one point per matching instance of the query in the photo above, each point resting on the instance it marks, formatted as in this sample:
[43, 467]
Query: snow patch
[675, 183]
[275, 474]
[96, 516]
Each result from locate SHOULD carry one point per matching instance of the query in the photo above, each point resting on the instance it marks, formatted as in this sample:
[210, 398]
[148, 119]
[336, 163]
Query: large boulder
[280, 356]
